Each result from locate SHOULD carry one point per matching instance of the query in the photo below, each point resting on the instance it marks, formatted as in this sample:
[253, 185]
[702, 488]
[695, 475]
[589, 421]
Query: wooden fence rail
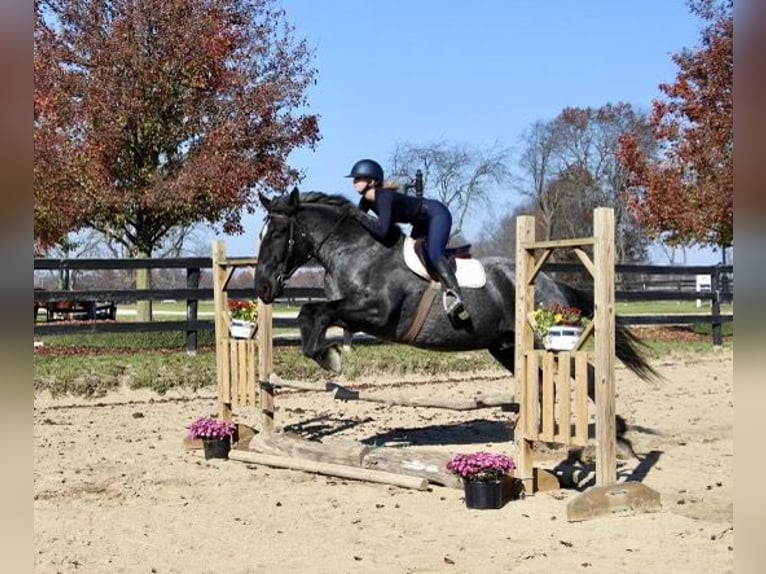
[721, 292]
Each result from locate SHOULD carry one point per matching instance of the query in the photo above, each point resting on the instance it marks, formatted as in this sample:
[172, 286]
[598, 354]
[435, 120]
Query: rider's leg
[440, 223]
[453, 300]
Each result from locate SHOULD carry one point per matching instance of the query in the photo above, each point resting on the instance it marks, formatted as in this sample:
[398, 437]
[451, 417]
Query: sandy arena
[114, 491]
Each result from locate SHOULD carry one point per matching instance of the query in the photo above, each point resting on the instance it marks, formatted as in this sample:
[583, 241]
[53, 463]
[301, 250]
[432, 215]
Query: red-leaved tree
[685, 195]
[151, 115]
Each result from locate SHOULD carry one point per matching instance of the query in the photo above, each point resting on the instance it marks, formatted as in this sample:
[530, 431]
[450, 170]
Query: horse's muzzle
[267, 290]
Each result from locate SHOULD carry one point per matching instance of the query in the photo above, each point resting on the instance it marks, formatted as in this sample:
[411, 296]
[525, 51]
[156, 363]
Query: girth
[424, 306]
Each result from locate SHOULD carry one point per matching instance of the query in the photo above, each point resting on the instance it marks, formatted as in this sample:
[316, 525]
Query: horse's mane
[313, 198]
[332, 200]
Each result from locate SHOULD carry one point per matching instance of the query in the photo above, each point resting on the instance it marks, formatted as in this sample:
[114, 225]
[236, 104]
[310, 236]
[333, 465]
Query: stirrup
[453, 305]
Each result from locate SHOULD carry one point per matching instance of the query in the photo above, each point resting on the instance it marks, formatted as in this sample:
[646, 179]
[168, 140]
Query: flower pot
[216, 447]
[562, 338]
[240, 329]
[483, 494]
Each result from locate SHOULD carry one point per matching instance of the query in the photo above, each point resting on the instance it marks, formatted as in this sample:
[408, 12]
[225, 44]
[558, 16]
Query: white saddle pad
[470, 272]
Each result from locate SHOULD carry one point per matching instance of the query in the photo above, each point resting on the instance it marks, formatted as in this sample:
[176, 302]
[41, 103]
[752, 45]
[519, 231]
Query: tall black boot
[452, 299]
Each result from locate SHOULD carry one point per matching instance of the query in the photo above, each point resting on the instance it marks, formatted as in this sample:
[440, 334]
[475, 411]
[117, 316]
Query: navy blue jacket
[429, 218]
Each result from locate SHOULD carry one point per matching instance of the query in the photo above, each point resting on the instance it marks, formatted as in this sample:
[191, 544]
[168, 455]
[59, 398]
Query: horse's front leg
[314, 319]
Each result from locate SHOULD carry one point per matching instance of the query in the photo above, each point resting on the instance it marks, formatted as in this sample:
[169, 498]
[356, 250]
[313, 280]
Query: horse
[370, 288]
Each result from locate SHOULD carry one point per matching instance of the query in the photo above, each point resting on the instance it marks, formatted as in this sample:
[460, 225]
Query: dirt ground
[115, 491]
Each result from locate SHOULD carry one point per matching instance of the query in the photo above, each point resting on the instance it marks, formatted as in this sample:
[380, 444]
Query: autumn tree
[153, 115]
[685, 196]
[458, 175]
[569, 166]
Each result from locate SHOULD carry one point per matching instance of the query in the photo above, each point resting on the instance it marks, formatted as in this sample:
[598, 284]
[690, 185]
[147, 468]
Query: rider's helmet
[367, 169]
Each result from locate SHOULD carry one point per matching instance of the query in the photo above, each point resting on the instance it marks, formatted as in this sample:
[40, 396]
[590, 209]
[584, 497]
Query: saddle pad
[470, 272]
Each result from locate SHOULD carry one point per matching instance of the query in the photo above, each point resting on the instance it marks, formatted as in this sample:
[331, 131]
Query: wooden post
[524, 339]
[715, 307]
[604, 326]
[223, 374]
[265, 367]
[192, 282]
[607, 497]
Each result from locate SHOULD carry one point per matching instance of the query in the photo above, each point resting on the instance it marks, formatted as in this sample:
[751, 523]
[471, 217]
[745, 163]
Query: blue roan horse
[370, 288]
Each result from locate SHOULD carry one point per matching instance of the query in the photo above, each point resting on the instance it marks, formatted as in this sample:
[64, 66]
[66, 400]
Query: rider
[428, 217]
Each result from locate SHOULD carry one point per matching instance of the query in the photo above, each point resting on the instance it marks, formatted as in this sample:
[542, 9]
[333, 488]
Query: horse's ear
[294, 197]
[265, 201]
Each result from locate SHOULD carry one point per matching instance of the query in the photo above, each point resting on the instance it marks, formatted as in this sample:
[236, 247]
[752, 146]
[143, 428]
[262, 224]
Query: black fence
[90, 306]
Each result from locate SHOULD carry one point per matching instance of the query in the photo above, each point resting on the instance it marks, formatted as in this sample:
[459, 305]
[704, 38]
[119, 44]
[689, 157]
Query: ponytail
[391, 184]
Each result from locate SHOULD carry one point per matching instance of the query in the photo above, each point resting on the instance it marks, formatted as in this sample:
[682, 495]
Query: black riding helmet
[367, 169]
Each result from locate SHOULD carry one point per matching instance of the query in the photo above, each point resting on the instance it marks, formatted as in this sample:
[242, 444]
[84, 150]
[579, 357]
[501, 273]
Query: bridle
[284, 274]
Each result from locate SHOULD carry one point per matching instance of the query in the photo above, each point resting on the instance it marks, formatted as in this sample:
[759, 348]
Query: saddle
[469, 272]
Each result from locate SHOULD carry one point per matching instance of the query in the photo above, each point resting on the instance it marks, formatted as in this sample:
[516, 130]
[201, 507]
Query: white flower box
[240, 329]
[562, 338]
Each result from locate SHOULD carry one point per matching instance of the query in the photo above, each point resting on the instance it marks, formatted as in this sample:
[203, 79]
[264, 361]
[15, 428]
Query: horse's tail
[628, 348]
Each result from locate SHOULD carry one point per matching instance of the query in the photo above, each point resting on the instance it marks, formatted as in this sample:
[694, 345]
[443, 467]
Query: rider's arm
[380, 227]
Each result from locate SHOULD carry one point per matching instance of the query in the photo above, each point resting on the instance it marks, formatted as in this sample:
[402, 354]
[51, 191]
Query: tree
[685, 196]
[570, 167]
[539, 162]
[457, 175]
[498, 237]
[152, 115]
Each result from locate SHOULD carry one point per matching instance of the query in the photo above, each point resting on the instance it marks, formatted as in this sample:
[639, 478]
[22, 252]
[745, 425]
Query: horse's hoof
[331, 360]
[335, 360]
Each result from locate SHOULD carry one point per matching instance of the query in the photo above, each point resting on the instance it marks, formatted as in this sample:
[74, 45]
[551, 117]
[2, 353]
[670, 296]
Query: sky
[474, 73]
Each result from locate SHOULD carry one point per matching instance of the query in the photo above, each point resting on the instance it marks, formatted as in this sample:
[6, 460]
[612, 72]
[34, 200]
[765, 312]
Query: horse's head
[284, 246]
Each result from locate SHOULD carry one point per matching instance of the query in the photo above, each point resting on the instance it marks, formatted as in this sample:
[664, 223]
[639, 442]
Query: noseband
[284, 274]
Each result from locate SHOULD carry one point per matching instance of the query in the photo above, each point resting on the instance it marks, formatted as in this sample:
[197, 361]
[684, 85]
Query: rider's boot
[452, 298]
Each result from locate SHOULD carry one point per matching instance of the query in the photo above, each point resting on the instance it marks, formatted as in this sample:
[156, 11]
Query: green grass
[135, 341]
[667, 308]
[157, 361]
[727, 329]
[94, 376]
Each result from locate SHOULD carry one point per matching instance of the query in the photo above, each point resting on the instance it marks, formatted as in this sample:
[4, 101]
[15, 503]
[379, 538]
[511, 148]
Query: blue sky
[475, 73]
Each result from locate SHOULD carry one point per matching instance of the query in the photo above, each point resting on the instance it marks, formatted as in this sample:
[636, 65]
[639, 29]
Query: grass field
[91, 365]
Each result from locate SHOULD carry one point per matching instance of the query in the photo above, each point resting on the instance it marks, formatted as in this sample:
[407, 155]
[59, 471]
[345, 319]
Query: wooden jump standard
[547, 379]
[245, 378]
